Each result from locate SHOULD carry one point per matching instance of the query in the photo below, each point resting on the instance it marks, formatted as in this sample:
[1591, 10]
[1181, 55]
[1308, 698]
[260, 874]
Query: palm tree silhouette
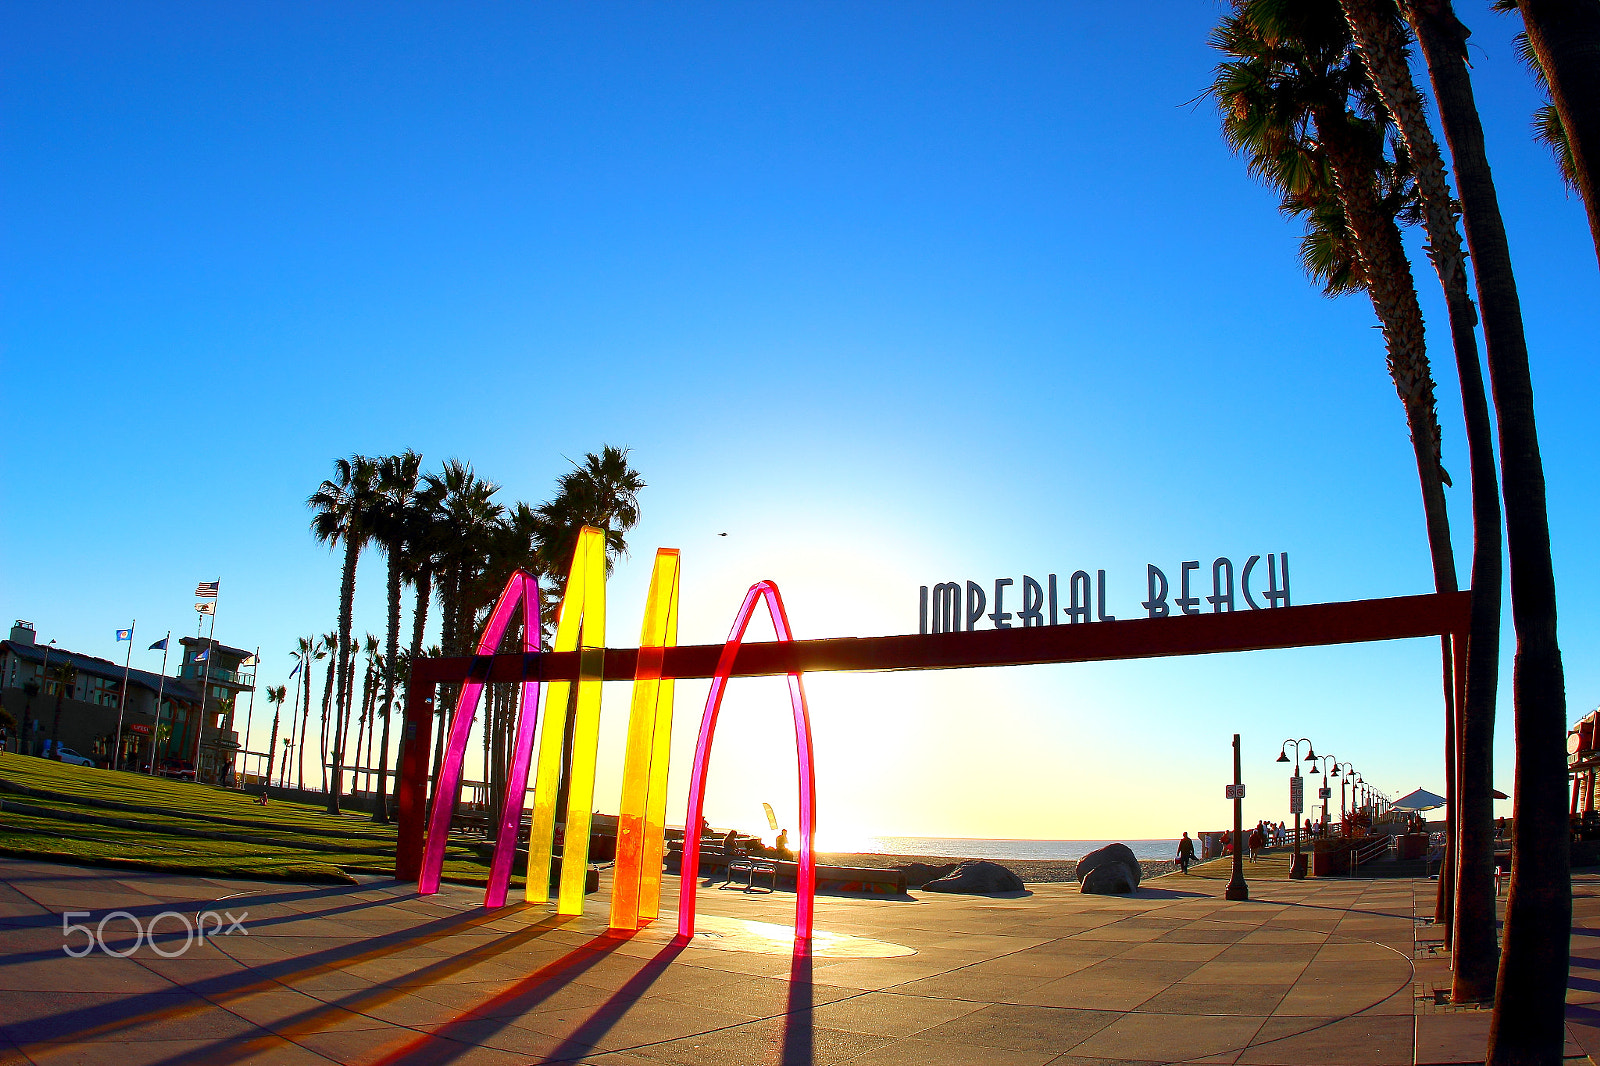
[397, 521]
[343, 507]
[275, 697]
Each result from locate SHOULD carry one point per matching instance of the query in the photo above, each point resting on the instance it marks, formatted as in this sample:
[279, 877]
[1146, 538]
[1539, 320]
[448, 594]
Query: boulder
[978, 877]
[1111, 871]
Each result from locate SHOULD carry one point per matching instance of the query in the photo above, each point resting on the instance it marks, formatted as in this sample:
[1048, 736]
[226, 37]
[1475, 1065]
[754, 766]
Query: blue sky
[890, 294]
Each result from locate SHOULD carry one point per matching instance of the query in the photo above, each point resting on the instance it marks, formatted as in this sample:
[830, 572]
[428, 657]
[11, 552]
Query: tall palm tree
[468, 518]
[1378, 32]
[275, 697]
[397, 519]
[1529, 1018]
[602, 491]
[343, 508]
[1288, 95]
[308, 651]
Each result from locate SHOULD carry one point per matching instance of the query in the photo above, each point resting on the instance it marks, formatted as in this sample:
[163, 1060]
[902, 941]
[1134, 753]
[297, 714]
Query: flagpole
[161, 688]
[248, 717]
[205, 679]
[122, 705]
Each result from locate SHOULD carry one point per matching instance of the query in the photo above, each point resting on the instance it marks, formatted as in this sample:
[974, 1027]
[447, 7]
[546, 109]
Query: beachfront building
[39, 682]
[224, 674]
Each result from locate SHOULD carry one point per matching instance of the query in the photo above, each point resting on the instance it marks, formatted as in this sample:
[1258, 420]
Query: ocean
[978, 848]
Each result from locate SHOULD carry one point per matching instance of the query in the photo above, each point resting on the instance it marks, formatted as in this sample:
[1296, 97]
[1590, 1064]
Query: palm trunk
[327, 726]
[1530, 996]
[419, 621]
[347, 595]
[390, 665]
[300, 762]
[272, 745]
[1474, 944]
[1565, 36]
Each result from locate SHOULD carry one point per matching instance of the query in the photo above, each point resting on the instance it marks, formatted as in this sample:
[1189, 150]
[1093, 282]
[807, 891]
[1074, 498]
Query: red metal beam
[1311, 625]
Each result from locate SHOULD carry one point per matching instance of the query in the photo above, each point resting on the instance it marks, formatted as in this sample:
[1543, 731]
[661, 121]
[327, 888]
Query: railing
[1367, 852]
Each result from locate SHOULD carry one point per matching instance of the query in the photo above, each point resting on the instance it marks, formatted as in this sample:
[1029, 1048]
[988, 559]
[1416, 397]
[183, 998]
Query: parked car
[67, 755]
[178, 769]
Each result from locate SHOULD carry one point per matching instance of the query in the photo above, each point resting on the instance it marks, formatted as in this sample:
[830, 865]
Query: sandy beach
[1032, 871]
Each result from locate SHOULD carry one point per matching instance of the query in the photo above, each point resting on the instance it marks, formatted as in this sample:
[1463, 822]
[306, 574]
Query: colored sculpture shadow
[806, 876]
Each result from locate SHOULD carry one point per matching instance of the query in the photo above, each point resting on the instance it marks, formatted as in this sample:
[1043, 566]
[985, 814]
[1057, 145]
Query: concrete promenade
[1323, 972]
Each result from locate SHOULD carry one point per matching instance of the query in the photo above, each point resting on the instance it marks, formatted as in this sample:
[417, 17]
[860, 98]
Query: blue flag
[203, 656]
[160, 645]
[124, 634]
[296, 669]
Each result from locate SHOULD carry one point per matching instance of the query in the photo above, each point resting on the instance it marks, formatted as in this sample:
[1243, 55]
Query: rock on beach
[979, 877]
[1111, 871]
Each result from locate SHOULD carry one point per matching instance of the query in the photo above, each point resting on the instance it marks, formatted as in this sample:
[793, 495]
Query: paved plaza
[1322, 971]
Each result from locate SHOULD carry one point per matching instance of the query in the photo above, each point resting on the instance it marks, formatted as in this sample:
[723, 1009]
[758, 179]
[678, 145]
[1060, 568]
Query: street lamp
[1348, 772]
[1297, 866]
[1328, 766]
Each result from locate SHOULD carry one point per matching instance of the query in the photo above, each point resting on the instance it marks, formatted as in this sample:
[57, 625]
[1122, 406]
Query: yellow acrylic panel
[586, 726]
[636, 879]
[576, 615]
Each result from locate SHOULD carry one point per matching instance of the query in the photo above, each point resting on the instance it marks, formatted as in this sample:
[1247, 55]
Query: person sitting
[730, 844]
[781, 847]
[1185, 853]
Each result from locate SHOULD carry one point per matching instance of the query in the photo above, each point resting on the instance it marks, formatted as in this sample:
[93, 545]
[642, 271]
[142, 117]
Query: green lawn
[81, 814]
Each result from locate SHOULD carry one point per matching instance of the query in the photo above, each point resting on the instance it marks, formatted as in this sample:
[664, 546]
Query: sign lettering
[1083, 599]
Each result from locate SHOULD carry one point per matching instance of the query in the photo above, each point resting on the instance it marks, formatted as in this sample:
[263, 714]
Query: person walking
[1185, 853]
[1257, 842]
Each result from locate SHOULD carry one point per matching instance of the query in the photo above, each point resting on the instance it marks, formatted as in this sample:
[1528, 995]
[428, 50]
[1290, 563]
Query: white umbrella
[1420, 800]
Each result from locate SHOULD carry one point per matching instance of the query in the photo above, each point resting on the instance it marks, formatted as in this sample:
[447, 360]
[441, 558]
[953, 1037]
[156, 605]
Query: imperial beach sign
[950, 607]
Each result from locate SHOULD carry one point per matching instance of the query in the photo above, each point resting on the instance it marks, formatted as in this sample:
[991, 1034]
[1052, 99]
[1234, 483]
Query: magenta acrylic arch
[523, 589]
[806, 877]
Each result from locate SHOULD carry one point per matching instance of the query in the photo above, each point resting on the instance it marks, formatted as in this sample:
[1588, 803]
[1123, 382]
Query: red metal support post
[412, 789]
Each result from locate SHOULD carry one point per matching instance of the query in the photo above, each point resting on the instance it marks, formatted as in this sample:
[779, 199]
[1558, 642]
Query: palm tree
[308, 651]
[344, 506]
[397, 521]
[1377, 29]
[275, 698]
[1530, 995]
[602, 491]
[1286, 96]
[1564, 37]
[467, 519]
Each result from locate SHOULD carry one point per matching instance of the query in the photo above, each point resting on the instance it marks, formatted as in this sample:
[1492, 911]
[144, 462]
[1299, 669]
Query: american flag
[207, 590]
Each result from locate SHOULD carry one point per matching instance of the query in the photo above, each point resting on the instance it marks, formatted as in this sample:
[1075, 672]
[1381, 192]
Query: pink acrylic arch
[806, 877]
[523, 589]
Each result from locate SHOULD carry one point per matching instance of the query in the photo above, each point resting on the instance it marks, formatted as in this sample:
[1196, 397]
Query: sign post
[1237, 889]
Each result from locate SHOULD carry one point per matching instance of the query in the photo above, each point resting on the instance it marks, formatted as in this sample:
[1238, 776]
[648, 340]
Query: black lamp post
[1297, 865]
[1349, 771]
[1328, 767]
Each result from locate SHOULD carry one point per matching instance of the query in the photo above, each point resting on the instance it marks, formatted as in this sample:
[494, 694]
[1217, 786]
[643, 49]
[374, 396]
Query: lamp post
[1297, 800]
[1348, 771]
[1328, 767]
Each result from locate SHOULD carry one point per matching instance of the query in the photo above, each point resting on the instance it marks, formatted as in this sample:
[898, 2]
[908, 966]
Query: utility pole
[1237, 889]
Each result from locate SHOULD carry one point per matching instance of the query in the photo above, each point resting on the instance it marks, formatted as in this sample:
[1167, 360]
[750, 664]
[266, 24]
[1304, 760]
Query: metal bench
[750, 869]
